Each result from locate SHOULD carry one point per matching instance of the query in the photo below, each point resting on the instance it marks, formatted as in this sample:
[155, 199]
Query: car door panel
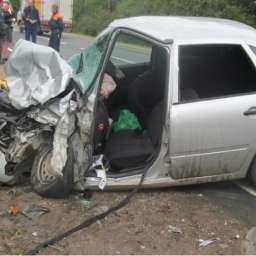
[211, 137]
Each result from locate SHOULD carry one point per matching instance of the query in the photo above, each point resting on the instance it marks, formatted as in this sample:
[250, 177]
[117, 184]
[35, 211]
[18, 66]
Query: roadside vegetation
[15, 5]
[91, 16]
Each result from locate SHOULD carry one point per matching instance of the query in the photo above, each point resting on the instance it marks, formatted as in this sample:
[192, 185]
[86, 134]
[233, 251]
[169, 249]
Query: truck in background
[45, 8]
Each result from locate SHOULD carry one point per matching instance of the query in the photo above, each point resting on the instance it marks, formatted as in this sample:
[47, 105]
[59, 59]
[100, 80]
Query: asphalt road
[238, 198]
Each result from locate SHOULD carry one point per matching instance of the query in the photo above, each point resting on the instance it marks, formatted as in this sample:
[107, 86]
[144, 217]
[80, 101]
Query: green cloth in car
[126, 121]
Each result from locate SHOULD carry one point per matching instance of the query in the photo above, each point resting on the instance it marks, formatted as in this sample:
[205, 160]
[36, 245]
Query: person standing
[56, 26]
[32, 21]
[3, 29]
[9, 18]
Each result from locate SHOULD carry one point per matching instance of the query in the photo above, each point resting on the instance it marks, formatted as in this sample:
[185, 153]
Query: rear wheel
[252, 172]
[46, 184]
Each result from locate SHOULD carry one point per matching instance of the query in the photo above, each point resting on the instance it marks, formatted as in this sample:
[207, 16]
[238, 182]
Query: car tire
[47, 185]
[252, 173]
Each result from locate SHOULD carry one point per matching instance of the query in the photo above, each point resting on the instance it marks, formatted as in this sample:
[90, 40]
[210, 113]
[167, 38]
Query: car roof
[166, 28]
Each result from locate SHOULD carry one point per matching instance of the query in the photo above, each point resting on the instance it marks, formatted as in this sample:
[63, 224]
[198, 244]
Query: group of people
[32, 24]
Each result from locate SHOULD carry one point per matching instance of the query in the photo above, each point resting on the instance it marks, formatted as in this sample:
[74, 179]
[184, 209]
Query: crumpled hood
[35, 74]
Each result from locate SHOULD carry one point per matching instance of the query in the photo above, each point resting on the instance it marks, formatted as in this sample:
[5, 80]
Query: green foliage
[15, 5]
[91, 16]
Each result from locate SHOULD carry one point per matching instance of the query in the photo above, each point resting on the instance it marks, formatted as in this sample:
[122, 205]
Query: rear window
[213, 71]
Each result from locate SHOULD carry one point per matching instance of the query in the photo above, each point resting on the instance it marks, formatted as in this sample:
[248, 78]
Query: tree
[111, 5]
[91, 16]
[15, 5]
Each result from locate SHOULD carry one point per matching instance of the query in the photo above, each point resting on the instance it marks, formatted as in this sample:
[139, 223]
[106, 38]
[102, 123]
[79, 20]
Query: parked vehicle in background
[44, 8]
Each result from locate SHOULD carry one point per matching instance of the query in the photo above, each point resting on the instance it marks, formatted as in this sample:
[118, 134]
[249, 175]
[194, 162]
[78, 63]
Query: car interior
[141, 91]
[213, 71]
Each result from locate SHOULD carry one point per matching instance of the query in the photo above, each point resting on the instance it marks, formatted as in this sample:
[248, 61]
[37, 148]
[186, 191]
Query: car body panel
[220, 139]
[217, 141]
[165, 28]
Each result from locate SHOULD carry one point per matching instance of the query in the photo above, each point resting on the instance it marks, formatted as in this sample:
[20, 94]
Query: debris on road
[85, 199]
[237, 236]
[100, 167]
[34, 211]
[13, 211]
[35, 234]
[173, 229]
[205, 243]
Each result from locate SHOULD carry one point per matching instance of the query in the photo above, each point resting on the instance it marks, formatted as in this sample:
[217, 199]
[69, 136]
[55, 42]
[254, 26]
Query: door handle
[250, 111]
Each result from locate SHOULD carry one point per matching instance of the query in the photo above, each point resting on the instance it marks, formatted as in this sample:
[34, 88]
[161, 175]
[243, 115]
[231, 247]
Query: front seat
[127, 149]
[149, 88]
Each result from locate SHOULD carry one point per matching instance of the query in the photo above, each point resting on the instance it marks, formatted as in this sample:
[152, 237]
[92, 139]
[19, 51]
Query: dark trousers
[55, 40]
[31, 34]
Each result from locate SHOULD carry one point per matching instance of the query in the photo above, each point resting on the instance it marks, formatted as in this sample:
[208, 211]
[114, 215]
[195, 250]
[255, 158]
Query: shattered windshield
[86, 64]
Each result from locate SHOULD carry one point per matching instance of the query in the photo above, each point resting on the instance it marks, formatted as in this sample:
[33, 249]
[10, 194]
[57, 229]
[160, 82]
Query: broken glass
[86, 64]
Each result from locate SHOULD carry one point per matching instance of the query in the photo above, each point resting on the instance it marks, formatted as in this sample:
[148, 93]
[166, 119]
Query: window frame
[244, 46]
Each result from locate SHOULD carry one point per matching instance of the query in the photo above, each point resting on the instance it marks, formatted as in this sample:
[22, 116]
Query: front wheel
[46, 184]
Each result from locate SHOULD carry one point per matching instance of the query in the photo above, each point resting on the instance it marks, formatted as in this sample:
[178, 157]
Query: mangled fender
[81, 137]
[63, 131]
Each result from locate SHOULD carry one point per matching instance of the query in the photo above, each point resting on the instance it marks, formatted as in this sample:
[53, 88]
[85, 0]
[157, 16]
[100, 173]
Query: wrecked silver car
[171, 95]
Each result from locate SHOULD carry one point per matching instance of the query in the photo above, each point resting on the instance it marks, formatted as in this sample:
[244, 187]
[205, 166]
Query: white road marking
[246, 187]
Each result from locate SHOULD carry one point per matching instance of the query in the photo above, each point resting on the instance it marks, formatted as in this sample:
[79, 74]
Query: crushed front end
[20, 137]
[36, 108]
[46, 116]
